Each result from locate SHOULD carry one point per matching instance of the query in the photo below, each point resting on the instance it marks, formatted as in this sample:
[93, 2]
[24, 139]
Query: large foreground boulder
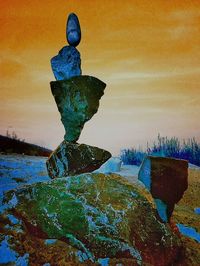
[77, 100]
[73, 158]
[100, 215]
[167, 180]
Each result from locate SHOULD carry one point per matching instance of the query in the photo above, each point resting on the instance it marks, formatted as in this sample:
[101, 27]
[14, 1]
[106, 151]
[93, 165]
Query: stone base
[99, 216]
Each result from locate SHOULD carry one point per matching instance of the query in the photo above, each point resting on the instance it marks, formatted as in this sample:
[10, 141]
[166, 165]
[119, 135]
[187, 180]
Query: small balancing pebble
[73, 30]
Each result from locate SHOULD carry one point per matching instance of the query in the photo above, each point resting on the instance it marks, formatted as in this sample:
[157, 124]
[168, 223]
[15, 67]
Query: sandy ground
[184, 213]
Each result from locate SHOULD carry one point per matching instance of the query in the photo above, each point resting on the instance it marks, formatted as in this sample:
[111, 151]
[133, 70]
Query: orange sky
[146, 51]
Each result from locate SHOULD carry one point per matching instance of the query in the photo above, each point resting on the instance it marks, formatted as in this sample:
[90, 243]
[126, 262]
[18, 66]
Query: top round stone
[73, 30]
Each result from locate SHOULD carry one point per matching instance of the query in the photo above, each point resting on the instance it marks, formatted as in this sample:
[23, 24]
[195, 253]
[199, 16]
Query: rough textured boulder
[71, 159]
[102, 216]
[166, 179]
[73, 30]
[77, 100]
[67, 63]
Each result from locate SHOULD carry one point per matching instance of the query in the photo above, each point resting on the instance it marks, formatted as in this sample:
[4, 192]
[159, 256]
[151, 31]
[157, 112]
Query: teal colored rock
[74, 158]
[73, 30]
[167, 180]
[102, 216]
[66, 64]
[77, 100]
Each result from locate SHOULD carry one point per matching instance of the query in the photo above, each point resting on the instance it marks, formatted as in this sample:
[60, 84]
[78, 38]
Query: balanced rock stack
[77, 98]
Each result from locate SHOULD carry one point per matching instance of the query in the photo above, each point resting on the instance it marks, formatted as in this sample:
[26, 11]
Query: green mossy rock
[77, 100]
[74, 158]
[103, 216]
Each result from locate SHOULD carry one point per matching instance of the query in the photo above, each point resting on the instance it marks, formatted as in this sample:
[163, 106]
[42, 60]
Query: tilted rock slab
[166, 179]
[73, 158]
[77, 100]
[103, 216]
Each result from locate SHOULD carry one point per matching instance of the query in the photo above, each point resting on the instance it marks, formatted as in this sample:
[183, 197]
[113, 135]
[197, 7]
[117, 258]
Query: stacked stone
[67, 63]
[77, 98]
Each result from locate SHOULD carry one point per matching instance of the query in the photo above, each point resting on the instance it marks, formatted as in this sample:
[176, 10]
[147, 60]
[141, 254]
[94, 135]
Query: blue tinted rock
[67, 63]
[73, 31]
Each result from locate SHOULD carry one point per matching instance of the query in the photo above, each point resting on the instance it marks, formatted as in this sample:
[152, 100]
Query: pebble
[73, 30]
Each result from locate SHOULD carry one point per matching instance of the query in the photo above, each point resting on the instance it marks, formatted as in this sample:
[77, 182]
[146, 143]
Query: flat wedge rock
[73, 158]
[66, 64]
[77, 100]
[166, 179]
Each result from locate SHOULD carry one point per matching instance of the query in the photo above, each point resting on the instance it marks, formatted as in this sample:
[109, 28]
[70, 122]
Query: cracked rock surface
[77, 100]
[73, 158]
[102, 216]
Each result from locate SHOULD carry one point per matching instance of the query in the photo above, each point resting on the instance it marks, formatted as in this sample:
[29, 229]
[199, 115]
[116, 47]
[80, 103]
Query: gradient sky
[148, 53]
